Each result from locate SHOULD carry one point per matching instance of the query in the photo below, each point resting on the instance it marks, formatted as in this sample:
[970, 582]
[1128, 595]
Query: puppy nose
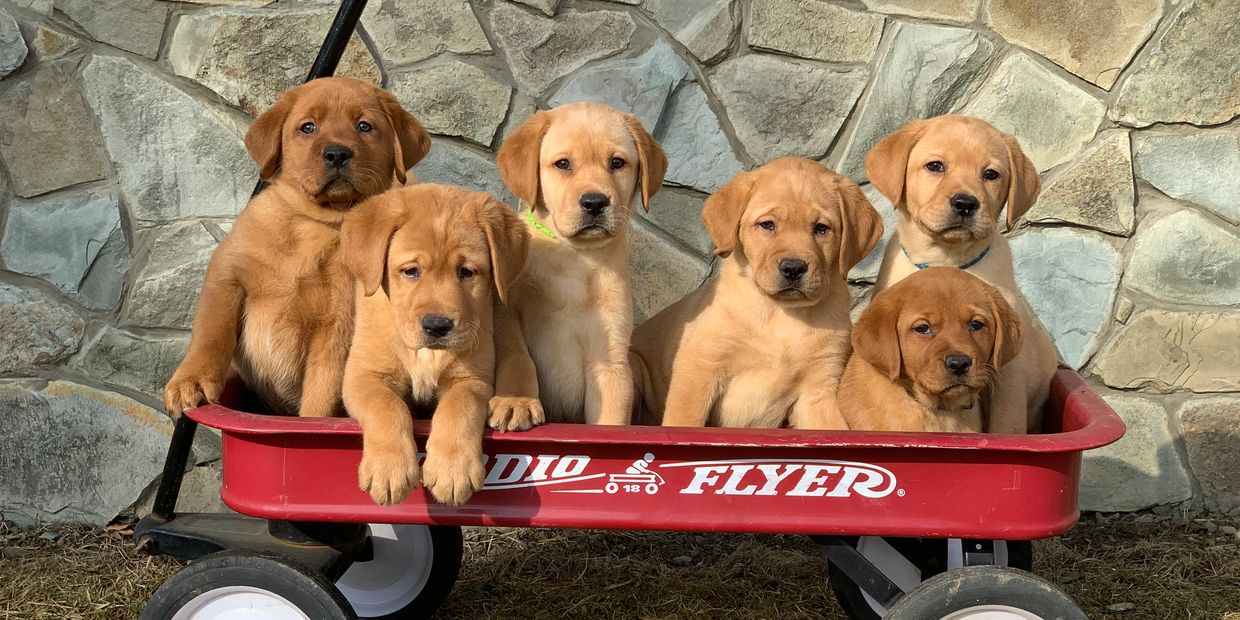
[594, 202]
[436, 325]
[793, 268]
[964, 204]
[337, 155]
[958, 363]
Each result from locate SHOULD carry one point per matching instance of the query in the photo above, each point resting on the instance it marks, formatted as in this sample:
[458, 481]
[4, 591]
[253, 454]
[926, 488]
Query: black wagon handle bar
[338, 35]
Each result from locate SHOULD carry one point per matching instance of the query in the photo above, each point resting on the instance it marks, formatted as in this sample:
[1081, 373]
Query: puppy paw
[515, 413]
[390, 472]
[190, 390]
[453, 476]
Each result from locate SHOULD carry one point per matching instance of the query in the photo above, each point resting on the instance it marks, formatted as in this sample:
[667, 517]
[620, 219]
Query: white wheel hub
[239, 603]
[992, 612]
[403, 557]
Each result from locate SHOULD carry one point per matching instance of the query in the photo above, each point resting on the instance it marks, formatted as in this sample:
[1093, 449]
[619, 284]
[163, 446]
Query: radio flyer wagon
[914, 525]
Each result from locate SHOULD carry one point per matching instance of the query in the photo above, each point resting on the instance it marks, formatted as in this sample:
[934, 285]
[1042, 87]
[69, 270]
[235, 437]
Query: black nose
[958, 363]
[964, 204]
[436, 325]
[594, 202]
[793, 268]
[337, 156]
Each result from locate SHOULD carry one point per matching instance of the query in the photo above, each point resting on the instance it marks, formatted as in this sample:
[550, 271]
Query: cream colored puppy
[562, 339]
[948, 178]
[763, 345]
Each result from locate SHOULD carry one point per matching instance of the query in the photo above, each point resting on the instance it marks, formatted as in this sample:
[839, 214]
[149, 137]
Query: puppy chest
[425, 367]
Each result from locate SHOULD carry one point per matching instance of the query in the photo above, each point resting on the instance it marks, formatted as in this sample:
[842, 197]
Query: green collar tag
[529, 217]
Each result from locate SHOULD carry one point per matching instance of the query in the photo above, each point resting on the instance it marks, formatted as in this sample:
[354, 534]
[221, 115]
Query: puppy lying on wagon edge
[430, 261]
[924, 350]
[277, 302]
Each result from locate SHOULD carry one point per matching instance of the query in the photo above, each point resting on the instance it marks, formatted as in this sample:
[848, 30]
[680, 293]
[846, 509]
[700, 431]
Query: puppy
[764, 343]
[277, 302]
[948, 178]
[440, 254]
[562, 342]
[924, 350]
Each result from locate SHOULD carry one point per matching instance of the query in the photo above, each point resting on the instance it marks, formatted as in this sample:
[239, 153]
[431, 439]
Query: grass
[1158, 568]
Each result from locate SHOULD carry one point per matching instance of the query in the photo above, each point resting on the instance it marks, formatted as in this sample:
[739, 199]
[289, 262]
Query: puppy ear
[508, 239]
[723, 210]
[1009, 335]
[651, 161]
[887, 163]
[365, 236]
[876, 336]
[1024, 185]
[265, 136]
[862, 226]
[411, 142]
[517, 158]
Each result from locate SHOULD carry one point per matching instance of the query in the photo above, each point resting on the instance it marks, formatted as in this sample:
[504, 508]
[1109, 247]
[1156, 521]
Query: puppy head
[942, 331]
[794, 224]
[339, 140]
[439, 252]
[953, 174]
[582, 164]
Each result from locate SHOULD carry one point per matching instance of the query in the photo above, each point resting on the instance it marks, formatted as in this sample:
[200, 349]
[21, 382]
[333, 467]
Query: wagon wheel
[410, 574]
[911, 561]
[985, 593]
[225, 584]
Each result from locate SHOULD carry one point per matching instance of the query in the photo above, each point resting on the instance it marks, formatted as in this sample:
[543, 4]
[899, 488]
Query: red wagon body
[653, 478]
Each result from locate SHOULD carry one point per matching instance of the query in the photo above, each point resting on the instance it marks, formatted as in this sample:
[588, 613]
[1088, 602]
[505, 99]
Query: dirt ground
[1131, 567]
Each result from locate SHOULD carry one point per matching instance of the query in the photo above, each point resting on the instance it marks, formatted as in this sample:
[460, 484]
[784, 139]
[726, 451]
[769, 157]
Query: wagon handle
[338, 35]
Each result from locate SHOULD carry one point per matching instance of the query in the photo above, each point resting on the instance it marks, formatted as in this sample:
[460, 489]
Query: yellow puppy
[948, 178]
[764, 343]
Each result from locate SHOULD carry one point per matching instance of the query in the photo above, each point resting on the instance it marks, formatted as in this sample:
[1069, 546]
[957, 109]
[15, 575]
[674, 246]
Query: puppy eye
[821, 229]
[308, 128]
[465, 273]
[413, 273]
[976, 325]
[922, 328]
[767, 225]
[990, 174]
[935, 166]
[364, 127]
[617, 163]
[563, 164]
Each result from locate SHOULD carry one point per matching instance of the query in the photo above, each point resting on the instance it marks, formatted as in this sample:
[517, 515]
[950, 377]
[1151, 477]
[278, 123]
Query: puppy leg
[689, 401]
[453, 470]
[389, 467]
[817, 410]
[200, 377]
[515, 406]
[320, 389]
[1007, 404]
[609, 394]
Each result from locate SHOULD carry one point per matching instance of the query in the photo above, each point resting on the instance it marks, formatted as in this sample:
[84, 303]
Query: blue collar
[971, 263]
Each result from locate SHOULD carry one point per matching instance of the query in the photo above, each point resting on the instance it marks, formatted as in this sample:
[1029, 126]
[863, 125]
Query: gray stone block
[698, 153]
[406, 31]
[453, 98]
[814, 29]
[36, 332]
[1211, 429]
[165, 292]
[640, 86]
[1202, 167]
[133, 25]
[1140, 470]
[13, 48]
[139, 363]
[1185, 258]
[1161, 351]
[541, 51]
[1096, 191]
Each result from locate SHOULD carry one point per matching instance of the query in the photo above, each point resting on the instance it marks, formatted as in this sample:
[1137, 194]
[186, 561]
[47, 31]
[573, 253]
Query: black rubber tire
[930, 555]
[974, 586]
[448, 547]
[305, 588]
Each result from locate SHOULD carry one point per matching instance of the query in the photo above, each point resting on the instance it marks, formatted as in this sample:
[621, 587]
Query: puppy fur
[428, 259]
[765, 342]
[277, 302]
[948, 178]
[562, 341]
[924, 350]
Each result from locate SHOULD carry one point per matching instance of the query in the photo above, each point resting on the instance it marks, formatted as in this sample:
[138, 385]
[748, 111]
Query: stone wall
[120, 138]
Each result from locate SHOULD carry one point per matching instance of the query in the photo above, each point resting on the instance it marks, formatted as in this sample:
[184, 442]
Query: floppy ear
[652, 162]
[723, 210]
[266, 134]
[1024, 185]
[876, 337]
[517, 158]
[862, 226]
[411, 143]
[1008, 331]
[508, 239]
[887, 163]
[365, 236]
